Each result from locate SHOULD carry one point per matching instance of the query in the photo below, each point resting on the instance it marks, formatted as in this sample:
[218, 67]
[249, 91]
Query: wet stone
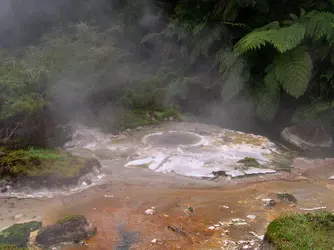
[287, 197]
[70, 229]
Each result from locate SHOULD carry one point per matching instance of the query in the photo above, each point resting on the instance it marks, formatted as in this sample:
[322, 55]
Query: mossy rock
[250, 162]
[18, 235]
[301, 232]
[45, 165]
[73, 228]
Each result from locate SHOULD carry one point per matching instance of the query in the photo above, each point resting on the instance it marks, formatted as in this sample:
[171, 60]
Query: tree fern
[293, 70]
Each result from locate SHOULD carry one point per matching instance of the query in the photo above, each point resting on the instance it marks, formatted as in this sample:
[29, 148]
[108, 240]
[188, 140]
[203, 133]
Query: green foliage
[321, 111]
[17, 235]
[11, 247]
[41, 163]
[269, 96]
[302, 231]
[293, 70]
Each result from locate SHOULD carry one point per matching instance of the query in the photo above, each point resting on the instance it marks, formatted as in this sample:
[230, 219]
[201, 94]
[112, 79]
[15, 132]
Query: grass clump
[71, 217]
[17, 236]
[35, 162]
[302, 232]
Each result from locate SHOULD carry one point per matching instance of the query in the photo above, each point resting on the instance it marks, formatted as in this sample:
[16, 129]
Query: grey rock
[307, 135]
[73, 229]
[287, 197]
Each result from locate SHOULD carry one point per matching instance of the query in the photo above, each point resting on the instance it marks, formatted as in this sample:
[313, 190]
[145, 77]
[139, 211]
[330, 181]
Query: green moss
[70, 217]
[302, 232]
[250, 162]
[11, 247]
[41, 162]
[18, 234]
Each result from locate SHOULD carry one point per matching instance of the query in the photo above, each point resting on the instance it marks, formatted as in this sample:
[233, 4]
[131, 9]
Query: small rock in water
[246, 247]
[227, 207]
[154, 241]
[70, 229]
[287, 197]
[18, 216]
[331, 178]
[212, 227]
[260, 237]
[108, 196]
[251, 216]
[240, 242]
[89, 182]
[150, 211]
[4, 190]
[239, 222]
[269, 202]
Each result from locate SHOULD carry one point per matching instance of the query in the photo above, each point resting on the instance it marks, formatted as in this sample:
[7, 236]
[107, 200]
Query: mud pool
[171, 168]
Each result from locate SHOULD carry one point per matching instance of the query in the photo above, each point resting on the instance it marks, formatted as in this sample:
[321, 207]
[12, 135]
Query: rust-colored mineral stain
[172, 209]
[183, 215]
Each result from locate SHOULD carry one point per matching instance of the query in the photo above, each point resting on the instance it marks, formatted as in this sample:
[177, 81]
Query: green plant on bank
[302, 231]
[40, 162]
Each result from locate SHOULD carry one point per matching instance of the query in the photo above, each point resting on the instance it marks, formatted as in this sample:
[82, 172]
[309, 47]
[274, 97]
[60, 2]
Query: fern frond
[267, 106]
[252, 41]
[225, 59]
[287, 38]
[328, 75]
[203, 45]
[293, 70]
[149, 37]
[234, 80]
[268, 99]
[283, 39]
[319, 25]
[314, 111]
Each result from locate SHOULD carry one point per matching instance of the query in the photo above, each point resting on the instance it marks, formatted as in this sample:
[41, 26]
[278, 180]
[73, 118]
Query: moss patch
[71, 217]
[41, 162]
[18, 234]
[302, 231]
[241, 138]
[250, 162]
[11, 247]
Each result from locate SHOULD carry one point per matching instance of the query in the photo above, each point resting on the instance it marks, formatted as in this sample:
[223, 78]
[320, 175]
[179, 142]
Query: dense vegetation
[302, 232]
[126, 63]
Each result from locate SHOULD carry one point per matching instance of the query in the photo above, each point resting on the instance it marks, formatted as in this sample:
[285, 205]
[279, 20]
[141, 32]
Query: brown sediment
[172, 209]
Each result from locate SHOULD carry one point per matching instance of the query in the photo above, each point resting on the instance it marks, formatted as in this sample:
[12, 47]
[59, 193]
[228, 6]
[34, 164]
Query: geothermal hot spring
[222, 174]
